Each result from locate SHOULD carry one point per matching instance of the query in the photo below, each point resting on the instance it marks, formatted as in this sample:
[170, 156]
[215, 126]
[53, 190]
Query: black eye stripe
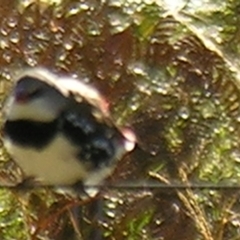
[29, 87]
[36, 93]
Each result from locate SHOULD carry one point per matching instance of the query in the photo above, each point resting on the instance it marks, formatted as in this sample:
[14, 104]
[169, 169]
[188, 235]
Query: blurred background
[170, 70]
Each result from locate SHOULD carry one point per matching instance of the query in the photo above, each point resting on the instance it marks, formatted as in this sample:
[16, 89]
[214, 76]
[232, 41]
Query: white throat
[37, 110]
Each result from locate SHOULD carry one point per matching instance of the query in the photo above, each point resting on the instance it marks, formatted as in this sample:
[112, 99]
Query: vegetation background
[169, 69]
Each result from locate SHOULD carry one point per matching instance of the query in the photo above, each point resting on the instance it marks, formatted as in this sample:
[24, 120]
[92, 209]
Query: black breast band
[29, 133]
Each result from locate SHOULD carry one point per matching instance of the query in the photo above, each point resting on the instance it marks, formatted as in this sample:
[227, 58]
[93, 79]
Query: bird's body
[59, 132]
[53, 165]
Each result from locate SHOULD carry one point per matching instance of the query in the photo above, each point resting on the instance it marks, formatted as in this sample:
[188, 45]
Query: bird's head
[34, 98]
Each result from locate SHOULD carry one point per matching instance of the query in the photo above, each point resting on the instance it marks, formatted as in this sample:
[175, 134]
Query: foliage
[170, 72]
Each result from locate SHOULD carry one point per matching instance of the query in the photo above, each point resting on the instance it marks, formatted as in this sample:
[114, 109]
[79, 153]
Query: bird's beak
[130, 139]
[20, 95]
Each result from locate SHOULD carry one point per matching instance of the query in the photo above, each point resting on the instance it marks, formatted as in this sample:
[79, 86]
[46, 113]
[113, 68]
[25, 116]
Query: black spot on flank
[95, 137]
[29, 133]
[77, 129]
[78, 123]
[99, 151]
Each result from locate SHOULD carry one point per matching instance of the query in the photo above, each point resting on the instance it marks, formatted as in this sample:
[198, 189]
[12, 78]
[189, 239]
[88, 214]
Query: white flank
[54, 165]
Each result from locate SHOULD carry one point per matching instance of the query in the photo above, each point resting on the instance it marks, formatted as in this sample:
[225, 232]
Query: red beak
[21, 95]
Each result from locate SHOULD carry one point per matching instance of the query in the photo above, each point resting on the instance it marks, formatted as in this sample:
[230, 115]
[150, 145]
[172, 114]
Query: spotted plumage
[59, 131]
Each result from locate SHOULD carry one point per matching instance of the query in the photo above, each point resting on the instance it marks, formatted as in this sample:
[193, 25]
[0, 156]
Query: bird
[59, 131]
